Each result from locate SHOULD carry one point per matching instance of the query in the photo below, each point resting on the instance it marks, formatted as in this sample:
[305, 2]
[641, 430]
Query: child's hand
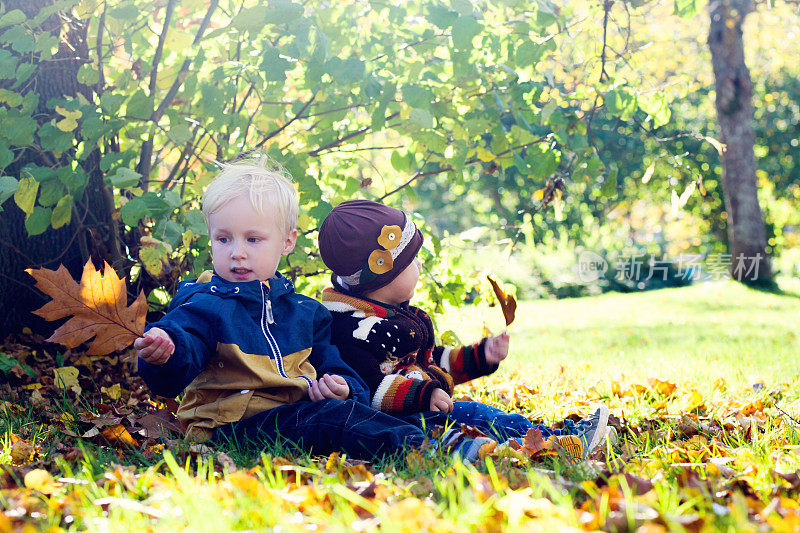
[440, 401]
[329, 386]
[155, 347]
[496, 348]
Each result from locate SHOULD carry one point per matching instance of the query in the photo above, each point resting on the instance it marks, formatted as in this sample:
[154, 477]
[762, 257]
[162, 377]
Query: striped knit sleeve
[399, 394]
[444, 379]
[464, 363]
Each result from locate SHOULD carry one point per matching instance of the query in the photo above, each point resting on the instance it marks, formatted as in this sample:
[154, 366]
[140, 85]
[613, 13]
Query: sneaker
[471, 450]
[572, 445]
[592, 430]
[468, 449]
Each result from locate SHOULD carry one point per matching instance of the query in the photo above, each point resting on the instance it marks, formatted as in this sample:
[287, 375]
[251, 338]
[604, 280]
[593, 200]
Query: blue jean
[327, 426]
[493, 421]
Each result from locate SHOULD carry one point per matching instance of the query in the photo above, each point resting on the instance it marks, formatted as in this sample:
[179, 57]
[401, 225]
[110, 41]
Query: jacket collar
[277, 285]
[210, 282]
[335, 298]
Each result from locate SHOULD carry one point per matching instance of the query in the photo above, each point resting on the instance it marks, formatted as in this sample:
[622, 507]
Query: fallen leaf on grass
[244, 482]
[113, 392]
[42, 481]
[158, 423]
[66, 377]
[118, 436]
[663, 387]
[225, 461]
[125, 503]
[534, 445]
[694, 401]
[21, 452]
[97, 308]
[792, 479]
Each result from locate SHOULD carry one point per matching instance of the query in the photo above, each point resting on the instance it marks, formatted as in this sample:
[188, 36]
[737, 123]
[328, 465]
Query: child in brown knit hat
[371, 249]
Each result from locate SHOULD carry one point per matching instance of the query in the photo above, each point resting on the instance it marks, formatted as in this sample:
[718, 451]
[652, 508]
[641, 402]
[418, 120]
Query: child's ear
[288, 244]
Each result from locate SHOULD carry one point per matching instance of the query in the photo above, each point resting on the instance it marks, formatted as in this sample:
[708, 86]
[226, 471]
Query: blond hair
[267, 185]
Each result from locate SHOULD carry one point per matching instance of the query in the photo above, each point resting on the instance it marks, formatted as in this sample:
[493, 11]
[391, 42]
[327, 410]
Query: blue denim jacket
[241, 349]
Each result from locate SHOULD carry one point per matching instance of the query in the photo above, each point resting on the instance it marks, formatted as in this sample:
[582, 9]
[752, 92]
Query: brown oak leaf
[507, 302]
[97, 307]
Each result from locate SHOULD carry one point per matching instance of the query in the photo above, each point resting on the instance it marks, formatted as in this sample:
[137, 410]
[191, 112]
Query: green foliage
[469, 101]
[297, 81]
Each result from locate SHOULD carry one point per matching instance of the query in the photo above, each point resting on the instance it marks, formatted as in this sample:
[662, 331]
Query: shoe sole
[572, 445]
[600, 432]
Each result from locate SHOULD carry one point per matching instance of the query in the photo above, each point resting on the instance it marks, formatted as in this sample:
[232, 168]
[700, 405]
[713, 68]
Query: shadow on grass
[770, 287]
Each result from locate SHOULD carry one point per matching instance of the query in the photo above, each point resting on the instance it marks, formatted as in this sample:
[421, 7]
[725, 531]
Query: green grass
[565, 355]
[720, 329]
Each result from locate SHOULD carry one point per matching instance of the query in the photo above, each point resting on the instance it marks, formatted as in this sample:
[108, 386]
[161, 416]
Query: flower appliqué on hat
[390, 237]
[380, 261]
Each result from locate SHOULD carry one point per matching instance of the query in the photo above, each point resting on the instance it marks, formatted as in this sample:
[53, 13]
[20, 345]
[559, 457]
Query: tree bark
[91, 232]
[734, 91]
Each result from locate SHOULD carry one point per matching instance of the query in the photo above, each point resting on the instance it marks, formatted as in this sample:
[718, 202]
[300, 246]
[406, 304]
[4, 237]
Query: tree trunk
[91, 232]
[746, 233]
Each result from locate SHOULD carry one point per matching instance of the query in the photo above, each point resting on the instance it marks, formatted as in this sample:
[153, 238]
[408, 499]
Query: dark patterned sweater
[392, 348]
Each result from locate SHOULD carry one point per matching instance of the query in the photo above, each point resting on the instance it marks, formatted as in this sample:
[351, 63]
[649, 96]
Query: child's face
[246, 245]
[401, 288]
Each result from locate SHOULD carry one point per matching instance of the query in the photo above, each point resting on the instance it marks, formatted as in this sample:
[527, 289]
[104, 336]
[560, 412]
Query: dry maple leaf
[98, 307]
[507, 302]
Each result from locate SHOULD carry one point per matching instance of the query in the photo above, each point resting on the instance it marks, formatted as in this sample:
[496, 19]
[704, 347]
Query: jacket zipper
[268, 318]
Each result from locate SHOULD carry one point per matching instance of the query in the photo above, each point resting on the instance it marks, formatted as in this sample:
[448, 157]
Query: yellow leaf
[484, 154]
[25, 195]
[178, 40]
[687, 193]
[695, 400]
[245, 483]
[154, 254]
[187, 238]
[67, 124]
[112, 392]
[74, 115]
[66, 377]
[117, 435]
[716, 144]
[649, 172]
[507, 302]
[664, 388]
[85, 8]
[42, 481]
[558, 206]
[70, 120]
[538, 195]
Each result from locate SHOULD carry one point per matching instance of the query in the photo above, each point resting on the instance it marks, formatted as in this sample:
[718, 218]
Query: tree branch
[606, 11]
[99, 48]
[276, 132]
[143, 167]
[160, 46]
[340, 140]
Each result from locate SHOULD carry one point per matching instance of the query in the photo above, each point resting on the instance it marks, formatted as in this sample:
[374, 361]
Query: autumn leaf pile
[84, 446]
[691, 462]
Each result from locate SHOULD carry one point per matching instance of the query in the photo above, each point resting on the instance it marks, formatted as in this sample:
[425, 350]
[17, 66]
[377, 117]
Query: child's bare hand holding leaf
[329, 386]
[155, 347]
[496, 348]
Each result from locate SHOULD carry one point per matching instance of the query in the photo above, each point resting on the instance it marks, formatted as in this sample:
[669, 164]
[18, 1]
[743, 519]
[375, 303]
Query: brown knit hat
[367, 244]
